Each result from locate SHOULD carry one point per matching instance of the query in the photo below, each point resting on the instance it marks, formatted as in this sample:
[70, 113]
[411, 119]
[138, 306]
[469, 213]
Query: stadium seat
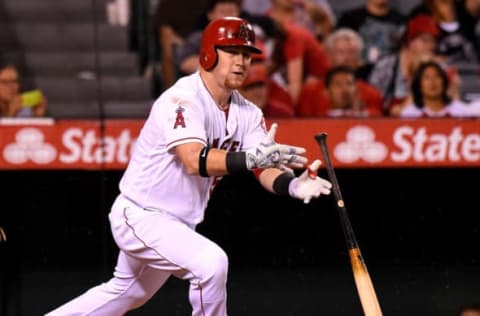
[63, 89]
[50, 36]
[470, 86]
[52, 10]
[75, 63]
[80, 66]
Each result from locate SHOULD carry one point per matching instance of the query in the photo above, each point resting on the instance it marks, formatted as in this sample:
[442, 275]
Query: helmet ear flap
[209, 58]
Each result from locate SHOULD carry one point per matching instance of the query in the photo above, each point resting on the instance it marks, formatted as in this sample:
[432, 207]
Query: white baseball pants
[154, 245]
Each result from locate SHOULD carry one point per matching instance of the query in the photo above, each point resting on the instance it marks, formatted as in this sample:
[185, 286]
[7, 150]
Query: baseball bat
[3, 236]
[363, 282]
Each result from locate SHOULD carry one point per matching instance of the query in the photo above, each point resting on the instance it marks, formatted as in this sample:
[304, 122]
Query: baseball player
[198, 130]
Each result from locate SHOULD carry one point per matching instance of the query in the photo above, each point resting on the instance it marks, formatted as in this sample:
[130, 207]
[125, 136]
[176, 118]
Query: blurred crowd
[368, 61]
[365, 61]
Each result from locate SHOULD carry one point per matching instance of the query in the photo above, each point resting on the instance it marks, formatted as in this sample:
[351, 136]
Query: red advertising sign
[67, 144]
[89, 144]
[390, 142]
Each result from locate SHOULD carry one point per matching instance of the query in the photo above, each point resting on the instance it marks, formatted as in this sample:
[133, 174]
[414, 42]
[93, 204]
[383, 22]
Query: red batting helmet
[228, 31]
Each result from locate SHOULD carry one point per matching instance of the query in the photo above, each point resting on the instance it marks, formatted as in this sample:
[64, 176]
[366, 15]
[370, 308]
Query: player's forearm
[200, 161]
[219, 162]
[206, 161]
[267, 178]
[216, 163]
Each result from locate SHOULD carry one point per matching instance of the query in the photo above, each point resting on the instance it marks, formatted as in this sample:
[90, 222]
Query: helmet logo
[244, 33]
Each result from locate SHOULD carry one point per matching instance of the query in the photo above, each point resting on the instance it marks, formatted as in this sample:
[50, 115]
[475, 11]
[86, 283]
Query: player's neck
[220, 95]
[222, 100]
[225, 105]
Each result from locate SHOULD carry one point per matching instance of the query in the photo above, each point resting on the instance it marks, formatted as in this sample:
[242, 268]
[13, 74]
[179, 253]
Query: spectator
[297, 56]
[468, 13]
[173, 23]
[379, 26]
[262, 6]
[338, 97]
[263, 92]
[430, 94]
[454, 41]
[391, 75]
[13, 103]
[344, 47]
[309, 14]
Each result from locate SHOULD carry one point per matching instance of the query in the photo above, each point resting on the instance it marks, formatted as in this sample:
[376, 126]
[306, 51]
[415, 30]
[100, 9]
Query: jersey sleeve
[182, 120]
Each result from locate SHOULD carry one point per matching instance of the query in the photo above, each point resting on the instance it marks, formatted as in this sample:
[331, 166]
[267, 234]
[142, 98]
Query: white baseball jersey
[155, 177]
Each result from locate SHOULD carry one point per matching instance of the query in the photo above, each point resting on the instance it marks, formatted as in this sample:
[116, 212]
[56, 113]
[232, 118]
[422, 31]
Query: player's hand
[308, 185]
[271, 154]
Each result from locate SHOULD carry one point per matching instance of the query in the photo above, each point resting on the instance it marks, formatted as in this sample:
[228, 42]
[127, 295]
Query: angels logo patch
[179, 119]
[244, 33]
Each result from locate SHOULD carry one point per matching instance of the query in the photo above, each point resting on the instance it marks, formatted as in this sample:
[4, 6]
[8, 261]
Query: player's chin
[234, 83]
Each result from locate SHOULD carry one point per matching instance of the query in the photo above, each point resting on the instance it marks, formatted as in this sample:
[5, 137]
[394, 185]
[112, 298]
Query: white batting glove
[271, 154]
[308, 185]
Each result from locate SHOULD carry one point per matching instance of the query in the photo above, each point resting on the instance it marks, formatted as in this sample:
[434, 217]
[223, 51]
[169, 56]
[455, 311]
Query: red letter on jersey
[179, 120]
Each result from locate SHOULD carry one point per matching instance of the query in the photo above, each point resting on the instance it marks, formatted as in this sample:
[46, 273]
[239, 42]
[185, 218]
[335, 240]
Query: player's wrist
[237, 162]
[282, 185]
[202, 162]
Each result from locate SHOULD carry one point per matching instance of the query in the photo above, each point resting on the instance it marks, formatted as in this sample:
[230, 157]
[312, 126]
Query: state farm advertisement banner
[67, 144]
[389, 142]
[372, 143]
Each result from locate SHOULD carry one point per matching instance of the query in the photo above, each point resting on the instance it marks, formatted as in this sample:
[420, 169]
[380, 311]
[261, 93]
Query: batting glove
[271, 154]
[308, 185]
